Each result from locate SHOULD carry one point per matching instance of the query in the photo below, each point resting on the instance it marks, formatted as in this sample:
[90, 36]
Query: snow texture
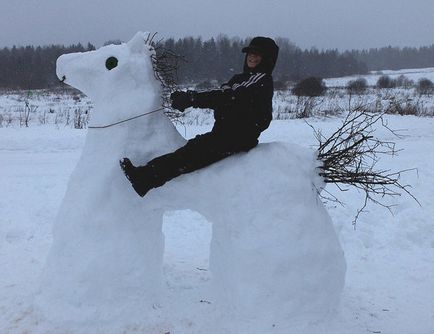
[274, 254]
[389, 280]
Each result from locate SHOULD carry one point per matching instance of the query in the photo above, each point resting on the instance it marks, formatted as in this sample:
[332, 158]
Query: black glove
[182, 100]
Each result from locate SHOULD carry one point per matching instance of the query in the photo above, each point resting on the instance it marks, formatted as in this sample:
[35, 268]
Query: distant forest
[33, 67]
[218, 59]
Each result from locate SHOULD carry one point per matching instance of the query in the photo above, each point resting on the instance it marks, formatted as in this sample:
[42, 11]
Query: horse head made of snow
[273, 245]
[115, 76]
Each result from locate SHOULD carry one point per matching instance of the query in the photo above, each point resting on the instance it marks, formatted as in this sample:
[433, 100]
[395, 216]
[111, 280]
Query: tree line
[220, 58]
[217, 59]
[395, 58]
[32, 67]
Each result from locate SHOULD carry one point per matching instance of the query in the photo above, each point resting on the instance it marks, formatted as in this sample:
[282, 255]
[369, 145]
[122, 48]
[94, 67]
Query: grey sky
[342, 24]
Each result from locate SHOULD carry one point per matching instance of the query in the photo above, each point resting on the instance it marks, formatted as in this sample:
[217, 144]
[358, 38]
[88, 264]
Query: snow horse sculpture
[273, 243]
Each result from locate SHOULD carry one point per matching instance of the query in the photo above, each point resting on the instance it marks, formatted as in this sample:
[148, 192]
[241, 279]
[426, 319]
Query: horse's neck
[139, 139]
[112, 108]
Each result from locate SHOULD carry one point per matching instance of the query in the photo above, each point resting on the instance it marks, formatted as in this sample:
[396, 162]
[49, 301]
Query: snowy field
[390, 272]
[66, 108]
[412, 74]
[390, 259]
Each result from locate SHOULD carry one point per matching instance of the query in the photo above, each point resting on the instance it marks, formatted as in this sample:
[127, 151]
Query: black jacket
[243, 105]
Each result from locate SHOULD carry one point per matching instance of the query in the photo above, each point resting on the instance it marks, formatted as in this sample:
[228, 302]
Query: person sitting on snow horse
[242, 110]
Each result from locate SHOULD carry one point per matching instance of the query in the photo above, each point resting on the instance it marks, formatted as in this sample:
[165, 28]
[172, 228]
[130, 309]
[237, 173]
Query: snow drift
[274, 253]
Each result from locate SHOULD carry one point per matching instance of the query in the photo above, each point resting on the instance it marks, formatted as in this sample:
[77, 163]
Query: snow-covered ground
[70, 109]
[63, 108]
[412, 74]
[390, 259]
[390, 272]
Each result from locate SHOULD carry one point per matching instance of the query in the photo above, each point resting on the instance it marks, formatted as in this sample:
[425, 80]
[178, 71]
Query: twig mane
[165, 63]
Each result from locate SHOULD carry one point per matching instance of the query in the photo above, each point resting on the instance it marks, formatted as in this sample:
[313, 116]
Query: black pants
[199, 152]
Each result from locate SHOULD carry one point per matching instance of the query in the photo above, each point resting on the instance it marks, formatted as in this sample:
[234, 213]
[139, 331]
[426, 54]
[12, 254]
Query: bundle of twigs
[350, 155]
[165, 63]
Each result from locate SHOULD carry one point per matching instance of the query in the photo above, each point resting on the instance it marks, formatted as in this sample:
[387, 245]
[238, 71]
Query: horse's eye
[111, 63]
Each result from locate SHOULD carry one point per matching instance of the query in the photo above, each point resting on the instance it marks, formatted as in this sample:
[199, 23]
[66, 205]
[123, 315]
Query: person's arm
[255, 89]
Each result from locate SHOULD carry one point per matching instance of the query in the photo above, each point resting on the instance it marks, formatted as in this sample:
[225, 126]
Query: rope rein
[126, 120]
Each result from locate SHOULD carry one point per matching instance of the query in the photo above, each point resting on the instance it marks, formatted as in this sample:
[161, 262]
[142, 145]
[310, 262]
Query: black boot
[136, 176]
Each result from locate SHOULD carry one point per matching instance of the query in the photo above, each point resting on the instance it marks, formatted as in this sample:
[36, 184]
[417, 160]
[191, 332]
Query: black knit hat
[267, 48]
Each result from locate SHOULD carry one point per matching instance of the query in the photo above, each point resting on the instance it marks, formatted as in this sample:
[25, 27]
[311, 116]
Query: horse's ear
[137, 44]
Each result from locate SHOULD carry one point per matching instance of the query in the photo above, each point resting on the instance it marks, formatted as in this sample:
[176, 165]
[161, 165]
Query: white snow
[390, 276]
[372, 77]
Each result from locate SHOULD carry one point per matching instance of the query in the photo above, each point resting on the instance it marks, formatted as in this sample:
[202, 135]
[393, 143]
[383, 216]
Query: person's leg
[195, 154]
[199, 152]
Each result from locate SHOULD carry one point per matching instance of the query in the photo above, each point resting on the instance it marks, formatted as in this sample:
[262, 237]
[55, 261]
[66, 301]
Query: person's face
[253, 59]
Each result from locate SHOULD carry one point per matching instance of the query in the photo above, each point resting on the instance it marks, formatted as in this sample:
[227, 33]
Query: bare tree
[357, 86]
[8, 119]
[350, 155]
[42, 117]
[81, 118]
[26, 112]
[425, 86]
